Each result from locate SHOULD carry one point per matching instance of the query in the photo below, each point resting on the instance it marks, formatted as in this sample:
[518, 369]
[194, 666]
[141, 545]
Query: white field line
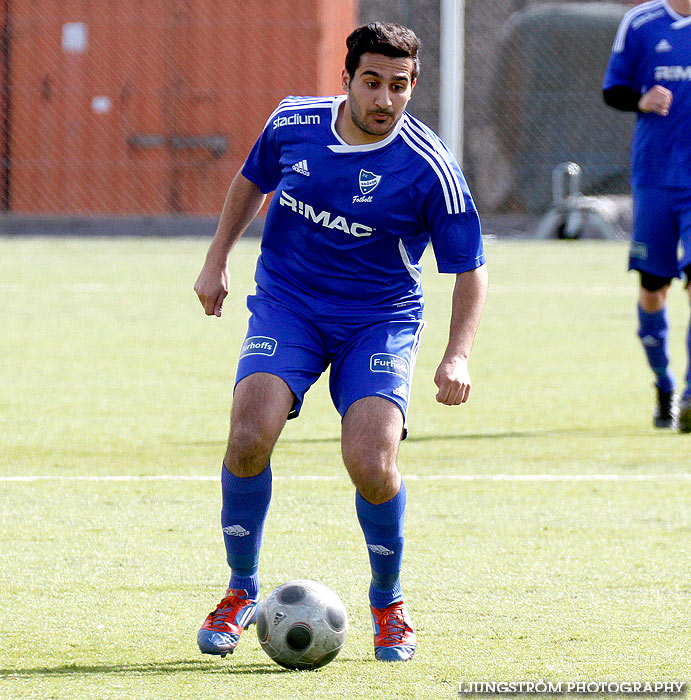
[682, 476]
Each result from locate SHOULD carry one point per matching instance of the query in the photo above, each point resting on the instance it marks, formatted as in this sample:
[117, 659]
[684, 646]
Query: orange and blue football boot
[221, 630]
[394, 637]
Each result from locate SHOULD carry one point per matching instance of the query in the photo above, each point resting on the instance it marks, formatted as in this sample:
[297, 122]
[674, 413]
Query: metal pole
[451, 75]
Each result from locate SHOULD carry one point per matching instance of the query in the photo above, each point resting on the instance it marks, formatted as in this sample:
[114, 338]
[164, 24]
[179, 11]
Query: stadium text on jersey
[295, 119]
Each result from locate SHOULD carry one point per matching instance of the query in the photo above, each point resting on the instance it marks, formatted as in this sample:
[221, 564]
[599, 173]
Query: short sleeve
[263, 165]
[453, 224]
[621, 66]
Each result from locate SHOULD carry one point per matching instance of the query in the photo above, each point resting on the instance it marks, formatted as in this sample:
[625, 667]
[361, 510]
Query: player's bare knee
[653, 291]
[377, 481]
[249, 449]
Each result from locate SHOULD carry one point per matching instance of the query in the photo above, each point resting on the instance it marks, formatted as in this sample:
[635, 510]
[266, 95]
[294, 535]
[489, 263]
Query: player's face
[377, 94]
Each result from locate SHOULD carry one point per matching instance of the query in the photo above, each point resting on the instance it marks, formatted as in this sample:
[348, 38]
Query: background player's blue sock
[245, 505]
[687, 391]
[382, 526]
[653, 330]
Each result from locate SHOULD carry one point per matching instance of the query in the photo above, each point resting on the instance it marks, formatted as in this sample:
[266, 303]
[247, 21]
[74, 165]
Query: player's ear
[345, 80]
[413, 84]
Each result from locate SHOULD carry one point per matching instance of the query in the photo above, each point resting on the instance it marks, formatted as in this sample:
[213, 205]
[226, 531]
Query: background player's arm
[243, 202]
[452, 377]
[658, 100]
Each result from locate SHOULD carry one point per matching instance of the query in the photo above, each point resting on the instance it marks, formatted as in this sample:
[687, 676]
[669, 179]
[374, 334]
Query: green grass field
[554, 519]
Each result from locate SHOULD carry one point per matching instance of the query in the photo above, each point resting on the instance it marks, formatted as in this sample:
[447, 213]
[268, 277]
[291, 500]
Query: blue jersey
[653, 47]
[348, 225]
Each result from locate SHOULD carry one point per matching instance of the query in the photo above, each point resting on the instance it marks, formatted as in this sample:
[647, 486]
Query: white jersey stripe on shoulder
[429, 139]
[433, 144]
[449, 206]
[629, 17]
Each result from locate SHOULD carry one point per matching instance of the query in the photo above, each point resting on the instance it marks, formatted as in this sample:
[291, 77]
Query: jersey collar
[343, 147]
[681, 20]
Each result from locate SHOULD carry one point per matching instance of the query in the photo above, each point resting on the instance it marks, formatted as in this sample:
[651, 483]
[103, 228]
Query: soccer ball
[302, 624]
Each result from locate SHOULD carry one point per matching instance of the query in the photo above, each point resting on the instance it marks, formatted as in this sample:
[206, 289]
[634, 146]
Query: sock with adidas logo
[245, 506]
[653, 330]
[382, 526]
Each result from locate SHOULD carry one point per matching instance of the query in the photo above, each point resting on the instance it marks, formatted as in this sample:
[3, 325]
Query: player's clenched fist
[453, 381]
[212, 288]
[658, 100]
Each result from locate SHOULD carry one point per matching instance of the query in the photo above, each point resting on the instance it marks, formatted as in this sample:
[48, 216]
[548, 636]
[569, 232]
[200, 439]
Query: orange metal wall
[152, 105]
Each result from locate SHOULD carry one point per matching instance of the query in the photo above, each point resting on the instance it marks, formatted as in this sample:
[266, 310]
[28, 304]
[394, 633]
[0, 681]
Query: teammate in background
[361, 187]
[649, 72]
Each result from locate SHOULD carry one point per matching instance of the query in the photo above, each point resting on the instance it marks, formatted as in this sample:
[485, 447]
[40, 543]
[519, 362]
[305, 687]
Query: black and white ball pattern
[302, 624]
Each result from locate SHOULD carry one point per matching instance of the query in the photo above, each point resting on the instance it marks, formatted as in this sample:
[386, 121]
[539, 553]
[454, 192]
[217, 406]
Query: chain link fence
[532, 98]
[148, 107]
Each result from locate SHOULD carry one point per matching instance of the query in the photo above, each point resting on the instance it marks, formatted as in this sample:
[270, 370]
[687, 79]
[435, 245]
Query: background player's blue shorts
[661, 220]
[366, 359]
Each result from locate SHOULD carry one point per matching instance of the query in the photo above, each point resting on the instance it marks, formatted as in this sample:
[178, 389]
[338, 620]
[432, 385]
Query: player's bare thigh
[370, 436]
[261, 404]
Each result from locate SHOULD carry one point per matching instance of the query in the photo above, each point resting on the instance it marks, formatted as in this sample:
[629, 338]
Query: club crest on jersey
[368, 181]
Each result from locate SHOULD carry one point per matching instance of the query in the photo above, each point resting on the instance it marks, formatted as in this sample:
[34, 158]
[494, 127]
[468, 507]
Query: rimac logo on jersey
[295, 119]
[672, 73]
[259, 345]
[325, 218]
[393, 364]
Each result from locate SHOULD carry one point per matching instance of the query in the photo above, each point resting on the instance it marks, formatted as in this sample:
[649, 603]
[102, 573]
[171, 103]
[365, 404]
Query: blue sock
[382, 526]
[687, 391]
[653, 330]
[245, 505]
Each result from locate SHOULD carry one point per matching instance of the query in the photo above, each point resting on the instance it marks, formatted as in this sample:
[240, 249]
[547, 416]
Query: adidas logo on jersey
[302, 168]
[663, 46]
[236, 530]
[324, 217]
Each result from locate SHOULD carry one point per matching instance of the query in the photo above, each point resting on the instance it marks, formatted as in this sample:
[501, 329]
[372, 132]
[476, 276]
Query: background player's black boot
[666, 411]
[685, 415]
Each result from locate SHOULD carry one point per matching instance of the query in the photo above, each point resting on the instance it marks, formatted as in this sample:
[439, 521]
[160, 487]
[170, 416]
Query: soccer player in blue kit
[649, 72]
[361, 187]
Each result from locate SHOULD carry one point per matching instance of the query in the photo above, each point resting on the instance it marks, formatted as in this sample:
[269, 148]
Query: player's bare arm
[452, 376]
[243, 202]
[658, 100]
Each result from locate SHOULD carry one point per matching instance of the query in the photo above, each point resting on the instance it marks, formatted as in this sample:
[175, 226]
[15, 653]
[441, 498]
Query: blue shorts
[661, 221]
[366, 359]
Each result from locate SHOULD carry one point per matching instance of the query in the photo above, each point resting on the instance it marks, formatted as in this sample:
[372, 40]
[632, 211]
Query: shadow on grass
[610, 431]
[165, 667]
[523, 434]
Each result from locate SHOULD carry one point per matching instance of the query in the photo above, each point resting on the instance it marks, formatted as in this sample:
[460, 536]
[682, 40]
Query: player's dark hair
[391, 40]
